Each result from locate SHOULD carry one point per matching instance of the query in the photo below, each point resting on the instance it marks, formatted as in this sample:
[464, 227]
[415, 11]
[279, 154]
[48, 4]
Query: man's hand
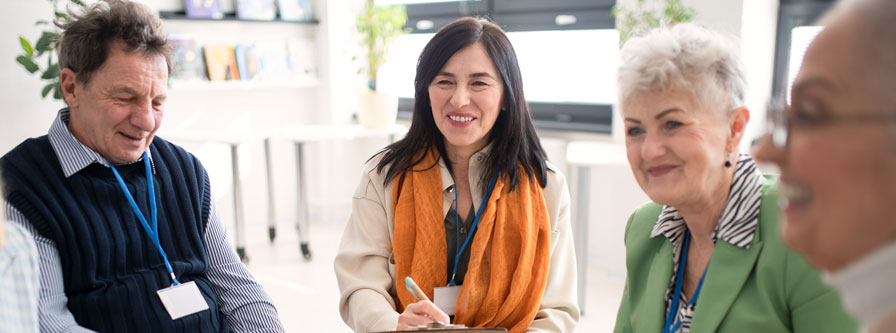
[421, 313]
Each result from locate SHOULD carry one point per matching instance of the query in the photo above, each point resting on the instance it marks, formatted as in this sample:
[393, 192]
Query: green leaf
[29, 64]
[57, 93]
[51, 73]
[26, 46]
[46, 90]
[60, 15]
[41, 22]
[45, 42]
[78, 2]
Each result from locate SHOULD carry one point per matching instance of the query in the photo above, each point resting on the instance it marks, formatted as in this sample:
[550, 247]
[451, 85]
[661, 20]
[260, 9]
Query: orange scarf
[509, 257]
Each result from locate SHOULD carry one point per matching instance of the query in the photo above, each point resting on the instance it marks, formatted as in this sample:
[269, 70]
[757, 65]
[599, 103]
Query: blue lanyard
[668, 327]
[476, 218]
[154, 230]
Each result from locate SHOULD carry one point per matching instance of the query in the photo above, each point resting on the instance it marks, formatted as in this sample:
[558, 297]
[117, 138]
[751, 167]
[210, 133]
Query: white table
[299, 136]
[233, 139]
[581, 156]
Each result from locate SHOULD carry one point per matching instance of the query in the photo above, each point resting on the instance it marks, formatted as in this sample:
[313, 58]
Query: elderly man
[126, 230]
[836, 149]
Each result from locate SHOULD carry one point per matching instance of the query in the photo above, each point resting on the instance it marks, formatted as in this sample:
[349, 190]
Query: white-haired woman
[705, 255]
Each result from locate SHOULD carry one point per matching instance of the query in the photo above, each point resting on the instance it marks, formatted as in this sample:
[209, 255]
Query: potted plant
[631, 22]
[378, 27]
[33, 54]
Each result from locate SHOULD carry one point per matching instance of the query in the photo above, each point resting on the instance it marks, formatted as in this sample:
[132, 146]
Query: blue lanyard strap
[668, 327]
[153, 231]
[476, 218]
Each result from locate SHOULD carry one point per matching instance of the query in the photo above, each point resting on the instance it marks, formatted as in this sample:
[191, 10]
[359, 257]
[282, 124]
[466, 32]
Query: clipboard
[438, 327]
[466, 330]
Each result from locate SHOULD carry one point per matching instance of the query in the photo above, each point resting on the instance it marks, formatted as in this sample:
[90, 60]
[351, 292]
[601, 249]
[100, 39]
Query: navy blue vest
[111, 269]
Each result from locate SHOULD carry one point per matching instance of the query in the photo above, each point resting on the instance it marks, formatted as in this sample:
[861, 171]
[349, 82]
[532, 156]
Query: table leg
[302, 214]
[239, 227]
[583, 181]
[272, 225]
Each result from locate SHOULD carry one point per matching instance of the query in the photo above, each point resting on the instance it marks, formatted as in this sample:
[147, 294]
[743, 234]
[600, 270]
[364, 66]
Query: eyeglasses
[783, 119]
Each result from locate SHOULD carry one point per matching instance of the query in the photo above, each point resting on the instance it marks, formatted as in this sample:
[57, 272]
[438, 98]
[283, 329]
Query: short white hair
[685, 56]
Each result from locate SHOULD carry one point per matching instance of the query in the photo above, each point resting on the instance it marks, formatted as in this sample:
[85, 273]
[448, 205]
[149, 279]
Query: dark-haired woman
[466, 204]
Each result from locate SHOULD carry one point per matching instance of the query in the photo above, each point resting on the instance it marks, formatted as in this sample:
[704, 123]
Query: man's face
[838, 173]
[118, 112]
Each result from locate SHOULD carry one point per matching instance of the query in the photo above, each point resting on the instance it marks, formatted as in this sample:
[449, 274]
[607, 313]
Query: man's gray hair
[87, 39]
[685, 56]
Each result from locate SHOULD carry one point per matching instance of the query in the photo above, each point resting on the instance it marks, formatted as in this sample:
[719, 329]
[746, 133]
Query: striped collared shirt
[243, 301]
[736, 226]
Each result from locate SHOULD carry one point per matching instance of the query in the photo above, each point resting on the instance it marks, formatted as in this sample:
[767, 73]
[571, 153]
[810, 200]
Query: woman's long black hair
[513, 138]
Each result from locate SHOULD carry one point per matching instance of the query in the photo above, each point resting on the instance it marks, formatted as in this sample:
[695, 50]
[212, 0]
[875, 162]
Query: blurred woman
[19, 276]
[466, 204]
[835, 146]
[705, 255]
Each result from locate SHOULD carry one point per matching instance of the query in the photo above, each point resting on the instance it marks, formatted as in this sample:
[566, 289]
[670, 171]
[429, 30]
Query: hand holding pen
[422, 312]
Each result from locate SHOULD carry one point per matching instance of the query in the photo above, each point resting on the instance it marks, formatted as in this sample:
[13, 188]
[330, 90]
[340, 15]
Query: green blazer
[765, 288]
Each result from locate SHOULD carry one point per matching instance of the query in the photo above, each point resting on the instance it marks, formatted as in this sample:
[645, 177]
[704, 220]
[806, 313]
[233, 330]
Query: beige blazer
[365, 268]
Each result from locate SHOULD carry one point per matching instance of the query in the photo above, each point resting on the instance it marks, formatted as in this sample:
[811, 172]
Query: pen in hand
[423, 307]
[415, 289]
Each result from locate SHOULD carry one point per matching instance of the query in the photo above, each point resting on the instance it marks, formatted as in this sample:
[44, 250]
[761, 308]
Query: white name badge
[446, 298]
[182, 300]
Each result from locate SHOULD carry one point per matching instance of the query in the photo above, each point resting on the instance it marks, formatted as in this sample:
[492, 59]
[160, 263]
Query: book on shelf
[221, 63]
[187, 59]
[204, 9]
[273, 60]
[295, 10]
[264, 10]
[246, 61]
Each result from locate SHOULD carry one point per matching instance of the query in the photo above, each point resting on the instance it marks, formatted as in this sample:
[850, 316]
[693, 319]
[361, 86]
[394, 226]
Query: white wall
[760, 22]
[24, 114]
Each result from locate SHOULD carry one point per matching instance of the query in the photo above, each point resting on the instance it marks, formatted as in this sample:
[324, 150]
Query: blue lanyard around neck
[153, 231]
[668, 327]
[476, 218]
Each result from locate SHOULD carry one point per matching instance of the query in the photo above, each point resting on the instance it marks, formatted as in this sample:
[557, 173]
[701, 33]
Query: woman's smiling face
[676, 146]
[466, 98]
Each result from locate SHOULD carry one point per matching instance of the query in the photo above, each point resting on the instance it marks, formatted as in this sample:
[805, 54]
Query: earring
[728, 161]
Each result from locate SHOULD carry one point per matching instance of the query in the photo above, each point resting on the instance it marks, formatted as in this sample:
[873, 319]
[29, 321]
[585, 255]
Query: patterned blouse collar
[741, 214]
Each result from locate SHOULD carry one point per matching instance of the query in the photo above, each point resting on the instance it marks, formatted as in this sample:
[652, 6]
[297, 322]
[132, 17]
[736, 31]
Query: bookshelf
[181, 15]
[236, 85]
[233, 31]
